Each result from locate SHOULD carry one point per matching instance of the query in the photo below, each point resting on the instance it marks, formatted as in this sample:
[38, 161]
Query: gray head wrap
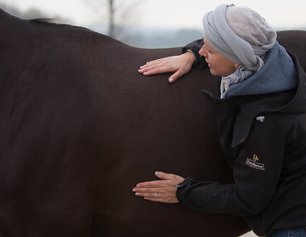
[241, 35]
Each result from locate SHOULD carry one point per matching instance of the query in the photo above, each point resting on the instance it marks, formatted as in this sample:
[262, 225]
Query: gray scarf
[242, 36]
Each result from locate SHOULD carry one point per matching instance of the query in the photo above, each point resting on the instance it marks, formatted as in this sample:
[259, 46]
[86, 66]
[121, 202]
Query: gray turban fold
[239, 34]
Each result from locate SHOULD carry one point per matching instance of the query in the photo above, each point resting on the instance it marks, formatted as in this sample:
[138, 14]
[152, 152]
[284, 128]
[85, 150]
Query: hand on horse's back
[178, 65]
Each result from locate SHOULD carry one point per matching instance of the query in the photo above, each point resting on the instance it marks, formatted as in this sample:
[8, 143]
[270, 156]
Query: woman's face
[218, 64]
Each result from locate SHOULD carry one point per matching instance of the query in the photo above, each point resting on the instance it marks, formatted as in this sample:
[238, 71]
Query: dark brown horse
[79, 127]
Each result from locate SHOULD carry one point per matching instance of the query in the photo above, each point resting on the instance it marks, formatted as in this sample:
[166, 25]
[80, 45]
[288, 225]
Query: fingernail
[157, 173]
[170, 79]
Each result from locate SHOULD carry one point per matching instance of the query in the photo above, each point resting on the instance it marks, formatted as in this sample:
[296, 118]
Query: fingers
[153, 193]
[175, 76]
[178, 65]
[156, 67]
[166, 179]
[151, 184]
[167, 195]
[173, 179]
[151, 70]
[163, 175]
[157, 197]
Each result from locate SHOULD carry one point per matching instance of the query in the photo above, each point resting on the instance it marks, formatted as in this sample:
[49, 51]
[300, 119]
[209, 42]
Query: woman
[261, 120]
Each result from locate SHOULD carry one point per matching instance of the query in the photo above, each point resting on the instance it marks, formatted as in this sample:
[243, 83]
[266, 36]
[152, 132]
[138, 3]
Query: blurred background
[151, 23]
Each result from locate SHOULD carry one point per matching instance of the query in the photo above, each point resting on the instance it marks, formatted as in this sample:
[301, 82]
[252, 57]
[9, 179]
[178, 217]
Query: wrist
[190, 55]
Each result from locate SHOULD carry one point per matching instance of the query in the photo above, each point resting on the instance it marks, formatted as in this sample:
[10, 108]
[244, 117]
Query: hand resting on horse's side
[162, 190]
[180, 65]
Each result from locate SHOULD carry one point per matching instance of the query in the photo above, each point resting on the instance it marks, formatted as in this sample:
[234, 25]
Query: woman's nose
[202, 52]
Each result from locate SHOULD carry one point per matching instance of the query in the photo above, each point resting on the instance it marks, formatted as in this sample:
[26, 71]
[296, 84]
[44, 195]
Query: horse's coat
[80, 127]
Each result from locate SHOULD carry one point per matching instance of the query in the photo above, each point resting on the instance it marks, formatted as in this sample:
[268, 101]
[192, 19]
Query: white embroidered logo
[254, 163]
[260, 119]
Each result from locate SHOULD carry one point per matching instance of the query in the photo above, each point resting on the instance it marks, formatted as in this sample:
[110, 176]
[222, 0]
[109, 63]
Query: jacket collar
[298, 102]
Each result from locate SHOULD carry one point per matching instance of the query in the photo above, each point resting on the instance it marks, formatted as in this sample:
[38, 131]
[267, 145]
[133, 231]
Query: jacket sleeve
[256, 173]
[195, 46]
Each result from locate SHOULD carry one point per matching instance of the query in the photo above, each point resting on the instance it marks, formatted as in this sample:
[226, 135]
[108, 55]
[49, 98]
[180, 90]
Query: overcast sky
[170, 13]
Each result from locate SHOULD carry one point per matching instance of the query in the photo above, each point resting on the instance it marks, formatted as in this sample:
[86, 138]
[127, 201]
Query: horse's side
[80, 127]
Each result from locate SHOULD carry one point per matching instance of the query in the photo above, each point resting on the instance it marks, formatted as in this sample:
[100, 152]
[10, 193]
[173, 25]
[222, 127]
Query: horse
[80, 127]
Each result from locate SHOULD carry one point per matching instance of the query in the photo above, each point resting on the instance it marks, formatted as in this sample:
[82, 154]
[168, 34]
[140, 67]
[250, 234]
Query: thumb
[175, 76]
[163, 175]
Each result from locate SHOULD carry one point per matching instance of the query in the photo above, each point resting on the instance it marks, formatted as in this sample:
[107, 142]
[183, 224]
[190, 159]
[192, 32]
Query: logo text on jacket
[254, 163]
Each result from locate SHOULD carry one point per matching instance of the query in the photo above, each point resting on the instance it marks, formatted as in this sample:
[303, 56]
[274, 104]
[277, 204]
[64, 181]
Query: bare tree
[111, 18]
[117, 12]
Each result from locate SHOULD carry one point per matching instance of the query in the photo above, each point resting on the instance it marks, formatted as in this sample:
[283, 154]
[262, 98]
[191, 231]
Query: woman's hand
[180, 65]
[163, 190]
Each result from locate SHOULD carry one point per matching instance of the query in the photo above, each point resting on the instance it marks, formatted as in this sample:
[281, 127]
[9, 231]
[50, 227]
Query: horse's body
[80, 127]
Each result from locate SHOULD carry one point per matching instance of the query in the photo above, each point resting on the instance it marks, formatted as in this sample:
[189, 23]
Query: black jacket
[263, 138]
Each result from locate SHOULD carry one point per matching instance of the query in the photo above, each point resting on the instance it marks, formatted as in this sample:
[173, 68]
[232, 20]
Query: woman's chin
[212, 72]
